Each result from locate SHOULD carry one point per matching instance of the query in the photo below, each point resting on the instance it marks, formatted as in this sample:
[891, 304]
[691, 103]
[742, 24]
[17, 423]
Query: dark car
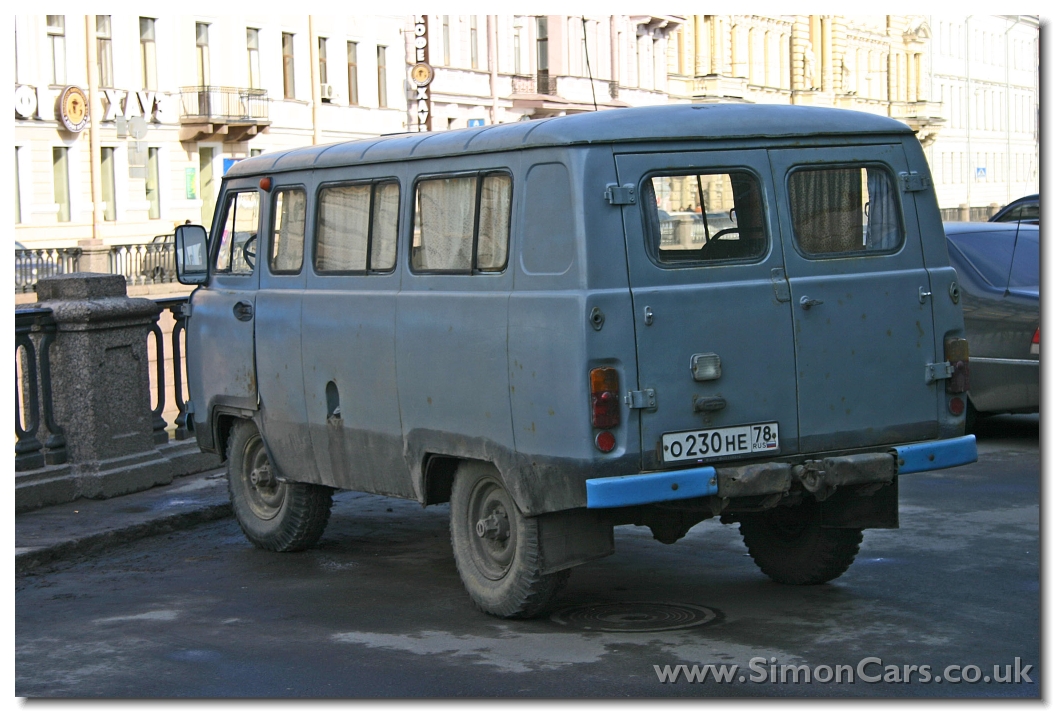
[998, 269]
[1024, 210]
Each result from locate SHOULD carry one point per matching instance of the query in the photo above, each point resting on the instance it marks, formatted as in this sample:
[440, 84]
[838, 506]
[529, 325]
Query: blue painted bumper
[605, 492]
[935, 455]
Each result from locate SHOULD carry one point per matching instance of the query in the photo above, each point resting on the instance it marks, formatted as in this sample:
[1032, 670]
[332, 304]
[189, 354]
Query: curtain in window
[287, 252]
[343, 229]
[494, 209]
[445, 214]
[385, 226]
[883, 227]
[826, 208]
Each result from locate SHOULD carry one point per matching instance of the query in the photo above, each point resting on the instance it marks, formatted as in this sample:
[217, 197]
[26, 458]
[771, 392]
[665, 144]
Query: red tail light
[1034, 349]
[603, 385]
[957, 353]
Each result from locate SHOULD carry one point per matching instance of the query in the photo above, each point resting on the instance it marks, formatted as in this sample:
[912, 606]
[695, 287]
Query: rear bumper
[817, 476]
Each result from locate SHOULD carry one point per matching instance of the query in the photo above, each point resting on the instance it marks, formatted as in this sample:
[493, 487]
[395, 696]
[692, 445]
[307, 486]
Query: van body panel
[727, 308]
[862, 350]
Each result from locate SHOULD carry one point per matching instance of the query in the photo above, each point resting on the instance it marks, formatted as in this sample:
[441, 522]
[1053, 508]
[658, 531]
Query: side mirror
[192, 266]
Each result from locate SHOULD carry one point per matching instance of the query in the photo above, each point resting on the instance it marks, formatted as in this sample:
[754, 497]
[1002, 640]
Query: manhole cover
[634, 617]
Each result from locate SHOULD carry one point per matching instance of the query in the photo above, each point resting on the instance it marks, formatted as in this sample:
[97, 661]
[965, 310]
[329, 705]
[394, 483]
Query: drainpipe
[94, 118]
[316, 90]
[492, 63]
[969, 120]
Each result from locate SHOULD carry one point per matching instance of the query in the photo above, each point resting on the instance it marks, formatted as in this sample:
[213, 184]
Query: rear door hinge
[939, 371]
[914, 182]
[641, 399]
[621, 194]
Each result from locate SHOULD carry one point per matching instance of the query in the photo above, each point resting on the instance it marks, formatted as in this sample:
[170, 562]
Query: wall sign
[73, 109]
[190, 177]
[421, 74]
[25, 102]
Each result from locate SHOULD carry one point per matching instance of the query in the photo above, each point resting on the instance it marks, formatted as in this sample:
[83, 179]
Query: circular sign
[25, 102]
[422, 74]
[73, 109]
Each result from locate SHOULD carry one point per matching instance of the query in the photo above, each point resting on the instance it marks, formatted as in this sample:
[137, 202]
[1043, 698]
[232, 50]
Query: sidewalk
[88, 525]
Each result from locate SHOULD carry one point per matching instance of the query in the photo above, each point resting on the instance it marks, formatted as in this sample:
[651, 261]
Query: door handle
[807, 303]
[243, 311]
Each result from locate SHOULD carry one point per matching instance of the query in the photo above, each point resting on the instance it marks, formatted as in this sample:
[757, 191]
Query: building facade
[175, 100]
[986, 80]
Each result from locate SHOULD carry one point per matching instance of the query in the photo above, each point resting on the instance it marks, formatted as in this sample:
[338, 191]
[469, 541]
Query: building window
[516, 63]
[18, 192]
[104, 50]
[252, 46]
[108, 185]
[543, 55]
[473, 36]
[202, 42]
[153, 180]
[382, 76]
[446, 40]
[206, 186]
[57, 41]
[61, 171]
[353, 73]
[148, 50]
[323, 73]
[287, 66]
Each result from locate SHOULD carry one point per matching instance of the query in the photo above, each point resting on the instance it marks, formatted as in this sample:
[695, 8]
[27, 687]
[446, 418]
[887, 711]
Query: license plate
[720, 443]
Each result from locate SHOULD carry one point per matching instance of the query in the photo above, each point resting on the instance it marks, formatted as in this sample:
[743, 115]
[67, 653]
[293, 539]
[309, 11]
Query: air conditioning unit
[326, 90]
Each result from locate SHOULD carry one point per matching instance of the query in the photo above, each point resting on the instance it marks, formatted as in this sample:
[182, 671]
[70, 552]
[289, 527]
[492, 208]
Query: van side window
[287, 234]
[841, 210]
[704, 217]
[461, 224]
[241, 224]
[357, 227]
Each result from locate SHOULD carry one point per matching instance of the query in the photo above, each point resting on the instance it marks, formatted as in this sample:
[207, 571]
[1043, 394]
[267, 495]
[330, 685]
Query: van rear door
[863, 320]
[715, 347]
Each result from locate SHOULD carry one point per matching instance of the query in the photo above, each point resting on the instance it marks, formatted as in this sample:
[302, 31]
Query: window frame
[273, 209]
[653, 240]
[104, 50]
[230, 197]
[480, 174]
[897, 199]
[373, 183]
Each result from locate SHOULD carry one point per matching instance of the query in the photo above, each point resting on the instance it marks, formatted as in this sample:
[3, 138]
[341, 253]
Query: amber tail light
[957, 353]
[603, 385]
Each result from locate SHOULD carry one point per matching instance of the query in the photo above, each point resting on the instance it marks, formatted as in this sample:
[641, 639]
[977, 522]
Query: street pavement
[158, 594]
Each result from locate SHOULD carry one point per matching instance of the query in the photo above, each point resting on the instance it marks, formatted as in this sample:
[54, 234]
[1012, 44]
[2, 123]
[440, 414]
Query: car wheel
[496, 548]
[789, 545]
[274, 515]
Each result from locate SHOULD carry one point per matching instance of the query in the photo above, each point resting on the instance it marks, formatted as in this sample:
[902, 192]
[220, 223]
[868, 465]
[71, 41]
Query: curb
[29, 558]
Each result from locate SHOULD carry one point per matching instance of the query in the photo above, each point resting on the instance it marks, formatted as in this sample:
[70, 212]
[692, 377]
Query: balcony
[210, 113]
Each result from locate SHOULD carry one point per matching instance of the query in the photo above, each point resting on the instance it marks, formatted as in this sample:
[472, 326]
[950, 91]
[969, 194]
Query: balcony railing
[149, 263]
[223, 105]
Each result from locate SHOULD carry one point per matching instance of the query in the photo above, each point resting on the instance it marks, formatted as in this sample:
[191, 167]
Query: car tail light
[603, 384]
[956, 405]
[1034, 350]
[605, 441]
[957, 353]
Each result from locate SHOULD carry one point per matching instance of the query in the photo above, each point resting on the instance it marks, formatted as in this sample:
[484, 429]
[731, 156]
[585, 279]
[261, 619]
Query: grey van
[646, 316]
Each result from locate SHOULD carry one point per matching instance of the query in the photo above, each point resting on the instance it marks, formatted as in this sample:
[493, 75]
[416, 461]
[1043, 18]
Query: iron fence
[145, 263]
[32, 264]
[223, 103]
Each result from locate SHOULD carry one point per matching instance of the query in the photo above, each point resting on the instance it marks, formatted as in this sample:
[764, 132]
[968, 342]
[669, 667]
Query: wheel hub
[494, 527]
[262, 476]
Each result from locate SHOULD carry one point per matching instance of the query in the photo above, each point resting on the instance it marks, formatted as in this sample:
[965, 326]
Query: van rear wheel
[789, 545]
[496, 548]
[274, 515]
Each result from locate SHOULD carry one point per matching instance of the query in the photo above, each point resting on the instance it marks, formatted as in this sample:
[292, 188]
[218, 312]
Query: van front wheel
[789, 545]
[496, 548]
[274, 515]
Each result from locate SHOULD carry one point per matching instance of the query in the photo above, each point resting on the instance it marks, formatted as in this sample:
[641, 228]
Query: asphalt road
[377, 610]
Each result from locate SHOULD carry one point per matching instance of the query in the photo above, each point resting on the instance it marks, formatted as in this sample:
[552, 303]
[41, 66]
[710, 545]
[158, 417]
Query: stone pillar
[964, 212]
[101, 383]
[95, 257]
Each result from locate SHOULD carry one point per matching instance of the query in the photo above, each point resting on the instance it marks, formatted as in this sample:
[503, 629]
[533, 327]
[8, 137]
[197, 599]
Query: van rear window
[843, 210]
[461, 224]
[703, 217]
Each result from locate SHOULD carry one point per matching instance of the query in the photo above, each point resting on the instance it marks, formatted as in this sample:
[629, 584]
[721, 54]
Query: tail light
[1034, 349]
[957, 353]
[603, 385]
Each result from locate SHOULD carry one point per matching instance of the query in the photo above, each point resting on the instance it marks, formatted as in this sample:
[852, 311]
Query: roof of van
[649, 123]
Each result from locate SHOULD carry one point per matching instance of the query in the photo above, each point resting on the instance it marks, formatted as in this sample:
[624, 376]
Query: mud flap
[866, 506]
[573, 537]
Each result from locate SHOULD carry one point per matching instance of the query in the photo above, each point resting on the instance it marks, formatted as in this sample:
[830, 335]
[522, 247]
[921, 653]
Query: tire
[789, 545]
[277, 516]
[496, 547]
[973, 417]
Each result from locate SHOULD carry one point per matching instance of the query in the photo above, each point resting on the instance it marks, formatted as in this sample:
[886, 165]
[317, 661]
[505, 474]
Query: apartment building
[150, 111]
